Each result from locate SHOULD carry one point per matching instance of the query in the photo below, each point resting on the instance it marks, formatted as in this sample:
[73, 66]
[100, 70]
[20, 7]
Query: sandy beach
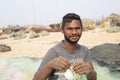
[38, 47]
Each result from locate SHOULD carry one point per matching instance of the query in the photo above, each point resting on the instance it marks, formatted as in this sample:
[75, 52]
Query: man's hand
[59, 63]
[83, 67]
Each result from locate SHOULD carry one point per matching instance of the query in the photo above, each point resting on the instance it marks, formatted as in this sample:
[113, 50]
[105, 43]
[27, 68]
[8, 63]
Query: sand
[38, 47]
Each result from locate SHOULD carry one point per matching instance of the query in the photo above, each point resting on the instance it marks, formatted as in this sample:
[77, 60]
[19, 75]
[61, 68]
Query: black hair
[69, 17]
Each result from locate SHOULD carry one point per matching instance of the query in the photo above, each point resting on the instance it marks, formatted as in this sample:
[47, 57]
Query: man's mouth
[74, 37]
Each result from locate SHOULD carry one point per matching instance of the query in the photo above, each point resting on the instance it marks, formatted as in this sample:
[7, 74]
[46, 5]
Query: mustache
[74, 35]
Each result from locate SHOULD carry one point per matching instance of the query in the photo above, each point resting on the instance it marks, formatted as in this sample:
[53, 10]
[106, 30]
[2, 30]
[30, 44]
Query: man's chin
[73, 42]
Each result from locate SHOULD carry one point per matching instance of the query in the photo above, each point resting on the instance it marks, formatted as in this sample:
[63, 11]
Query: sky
[45, 12]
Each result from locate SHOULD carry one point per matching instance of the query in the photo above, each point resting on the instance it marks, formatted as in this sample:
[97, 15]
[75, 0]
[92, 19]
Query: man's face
[72, 31]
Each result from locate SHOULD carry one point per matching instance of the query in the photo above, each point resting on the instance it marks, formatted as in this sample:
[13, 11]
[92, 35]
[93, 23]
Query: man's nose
[74, 31]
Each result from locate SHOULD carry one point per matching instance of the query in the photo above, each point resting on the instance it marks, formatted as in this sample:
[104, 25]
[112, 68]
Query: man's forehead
[73, 23]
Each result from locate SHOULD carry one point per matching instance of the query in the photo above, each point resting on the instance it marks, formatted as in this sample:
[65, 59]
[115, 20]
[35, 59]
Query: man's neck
[69, 46]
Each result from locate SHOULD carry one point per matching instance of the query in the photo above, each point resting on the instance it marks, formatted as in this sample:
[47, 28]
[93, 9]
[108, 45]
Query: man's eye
[69, 28]
[78, 28]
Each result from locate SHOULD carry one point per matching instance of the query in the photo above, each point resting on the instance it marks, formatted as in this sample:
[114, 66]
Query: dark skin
[72, 32]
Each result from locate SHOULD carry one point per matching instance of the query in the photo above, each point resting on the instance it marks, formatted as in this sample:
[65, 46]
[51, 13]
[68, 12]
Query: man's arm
[44, 69]
[92, 76]
[43, 73]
